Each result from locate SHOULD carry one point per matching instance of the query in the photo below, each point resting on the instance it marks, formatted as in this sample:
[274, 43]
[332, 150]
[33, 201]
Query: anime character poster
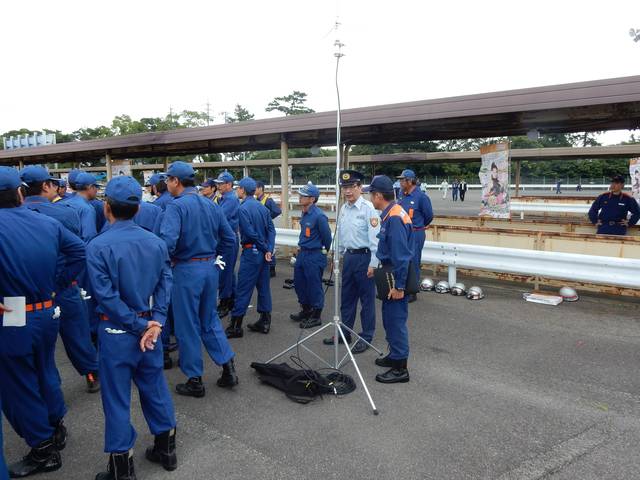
[120, 167]
[494, 178]
[634, 172]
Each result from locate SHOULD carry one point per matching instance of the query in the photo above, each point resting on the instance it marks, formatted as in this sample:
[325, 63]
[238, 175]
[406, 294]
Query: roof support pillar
[345, 156]
[107, 162]
[284, 182]
[166, 164]
[517, 179]
[20, 164]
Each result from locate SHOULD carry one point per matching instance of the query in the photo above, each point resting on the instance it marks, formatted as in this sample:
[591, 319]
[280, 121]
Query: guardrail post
[452, 275]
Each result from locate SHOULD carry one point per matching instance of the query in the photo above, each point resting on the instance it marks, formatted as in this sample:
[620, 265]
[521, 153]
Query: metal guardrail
[620, 272]
[517, 206]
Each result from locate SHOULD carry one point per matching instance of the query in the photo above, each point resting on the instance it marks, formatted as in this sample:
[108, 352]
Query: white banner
[120, 167]
[494, 178]
[634, 172]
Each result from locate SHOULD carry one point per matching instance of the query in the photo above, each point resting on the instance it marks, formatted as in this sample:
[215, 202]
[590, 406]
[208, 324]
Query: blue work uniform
[147, 216]
[418, 205]
[87, 214]
[610, 210]
[359, 225]
[30, 250]
[127, 266]
[257, 237]
[230, 205]
[98, 206]
[394, 248]
[74, 314]
[196, 231]
[163, 200]
[315, 236]
[275, 212]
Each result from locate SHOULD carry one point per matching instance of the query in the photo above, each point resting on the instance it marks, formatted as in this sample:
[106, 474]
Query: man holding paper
[31, 396]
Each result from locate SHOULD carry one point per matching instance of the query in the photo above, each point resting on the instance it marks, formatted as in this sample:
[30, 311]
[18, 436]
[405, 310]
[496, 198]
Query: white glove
[56, 312]
[220, 263]
[83, 294]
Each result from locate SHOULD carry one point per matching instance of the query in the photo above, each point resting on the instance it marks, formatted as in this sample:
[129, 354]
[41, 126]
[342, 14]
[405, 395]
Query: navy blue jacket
[395, 239]
[609, 210]
[418, 205]
[256, 226]
[315, 233]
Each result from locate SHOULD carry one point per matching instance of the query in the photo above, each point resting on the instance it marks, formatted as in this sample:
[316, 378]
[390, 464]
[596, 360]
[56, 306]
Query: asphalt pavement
[500, 389]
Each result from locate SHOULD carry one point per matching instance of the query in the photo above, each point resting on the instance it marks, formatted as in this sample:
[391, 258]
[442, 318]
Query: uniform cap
[617, 179]
[85, 180]
[9, 178]
[181, 171]
[248, 184]
[73, 174]
[35, 173]
[309, 190]
[124, 189]
[156, 178]
[350, 177]
[407, 174]
[61, 182]
[209, 182]
[380, 184]
[224, 177]
[259, 184]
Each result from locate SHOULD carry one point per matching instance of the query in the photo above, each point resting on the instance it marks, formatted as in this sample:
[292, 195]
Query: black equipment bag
[385, 280]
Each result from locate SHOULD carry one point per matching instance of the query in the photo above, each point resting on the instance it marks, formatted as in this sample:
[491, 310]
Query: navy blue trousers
[228, 275]
[32, 399]
[357, 286]
[75, 331]
[4, 475]
[253, 273]
[307, 277]
[419, 237]
[394, 320]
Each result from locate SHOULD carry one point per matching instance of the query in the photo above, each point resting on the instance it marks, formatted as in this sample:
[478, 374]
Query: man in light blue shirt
[358, 227]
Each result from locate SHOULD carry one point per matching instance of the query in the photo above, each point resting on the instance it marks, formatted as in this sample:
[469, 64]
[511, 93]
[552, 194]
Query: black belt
[358, 251]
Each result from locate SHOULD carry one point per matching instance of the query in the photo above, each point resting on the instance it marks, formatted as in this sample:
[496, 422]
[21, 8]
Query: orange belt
[202, 259]
[248, 245]
[74, 283]
[34, 307]
[104, 318]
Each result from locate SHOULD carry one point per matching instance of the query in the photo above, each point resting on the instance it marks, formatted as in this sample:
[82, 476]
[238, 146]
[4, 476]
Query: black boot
[302, 315]
[43, 458]
[93, 382]
[384, 362]
[120, 467]
[60, 435]
[332, 340]
[263, 325]
[168, 361]
[225, 306]
[234, 330]
[314, 319]
[398, 373]
[412, 297]
[229, 378]
[272, 271]
[193, 388]
[164, 450]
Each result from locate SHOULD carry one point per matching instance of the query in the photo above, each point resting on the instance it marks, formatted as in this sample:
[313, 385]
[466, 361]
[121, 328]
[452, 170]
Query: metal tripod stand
[336, 323]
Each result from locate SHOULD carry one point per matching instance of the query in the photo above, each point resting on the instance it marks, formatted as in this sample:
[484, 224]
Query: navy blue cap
[309, 190]
[73, 174]
[224, 177]
[410, 174]
[617, 179]
[85, 180]
[35, 173]
[248, 184]
[181, 171]
[209, 182]
[260, 184]
[156, 178]
[61, 182]
[9, 179]
[380, 184]
[124, 189]
[350, 177]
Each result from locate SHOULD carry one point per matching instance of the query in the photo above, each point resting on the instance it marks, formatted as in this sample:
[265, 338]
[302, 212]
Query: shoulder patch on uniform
[374, 222]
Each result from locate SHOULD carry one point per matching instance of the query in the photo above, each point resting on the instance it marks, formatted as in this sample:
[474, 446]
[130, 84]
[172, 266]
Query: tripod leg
[355, 365]
[358, 337]
[300, 342]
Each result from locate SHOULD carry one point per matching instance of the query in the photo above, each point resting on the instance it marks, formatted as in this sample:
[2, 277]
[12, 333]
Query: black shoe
[60, 435]
[43, 458]
[225, 307]
[314, 319]
[172, 347]
[331, 341]
[93, 382]
[164, 450]
[193, 388]
[263, 325]
[272, 272]
[229, 378]
[383, 362]
[398, 373]
[120, 467]
[303, 314]
[234, 330]
[413, 297]
[359, 347]
[168, 362]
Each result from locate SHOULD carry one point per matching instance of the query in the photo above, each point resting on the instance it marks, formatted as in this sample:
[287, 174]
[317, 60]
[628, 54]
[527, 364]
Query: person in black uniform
[610, 210]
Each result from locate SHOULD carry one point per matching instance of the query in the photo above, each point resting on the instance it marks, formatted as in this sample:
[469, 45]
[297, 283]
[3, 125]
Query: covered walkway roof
[586, 106]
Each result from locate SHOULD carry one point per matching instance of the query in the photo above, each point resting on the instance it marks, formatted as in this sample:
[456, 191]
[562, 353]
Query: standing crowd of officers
[117, 278]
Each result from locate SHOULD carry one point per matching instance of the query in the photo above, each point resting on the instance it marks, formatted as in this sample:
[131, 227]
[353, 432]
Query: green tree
[292, 104]
[240, 114]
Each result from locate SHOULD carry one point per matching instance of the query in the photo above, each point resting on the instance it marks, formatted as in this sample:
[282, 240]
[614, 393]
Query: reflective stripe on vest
[398, 211]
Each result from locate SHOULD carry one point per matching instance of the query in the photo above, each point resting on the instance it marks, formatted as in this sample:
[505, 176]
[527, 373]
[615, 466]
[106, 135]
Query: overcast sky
[72, 64]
